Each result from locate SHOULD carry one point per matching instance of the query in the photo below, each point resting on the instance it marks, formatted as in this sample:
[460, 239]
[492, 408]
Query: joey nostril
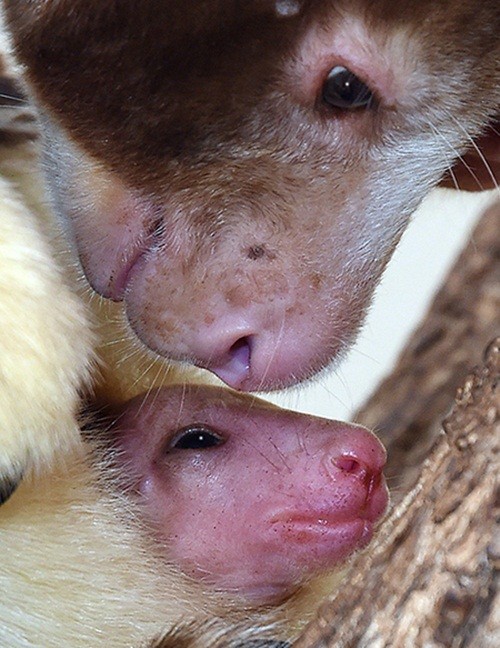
[350, 465]
[236, 367]
[369, 476]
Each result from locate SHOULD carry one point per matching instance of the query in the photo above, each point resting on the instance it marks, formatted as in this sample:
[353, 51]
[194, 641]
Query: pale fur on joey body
[46, 348]
[206, 182]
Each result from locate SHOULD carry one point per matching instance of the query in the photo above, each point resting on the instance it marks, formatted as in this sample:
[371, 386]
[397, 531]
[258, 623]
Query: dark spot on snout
[258, 251]
[316, 280]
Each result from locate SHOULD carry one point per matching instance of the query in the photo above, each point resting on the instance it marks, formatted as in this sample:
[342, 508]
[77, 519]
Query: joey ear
[479, 167]
[8, 486]
[189, 634]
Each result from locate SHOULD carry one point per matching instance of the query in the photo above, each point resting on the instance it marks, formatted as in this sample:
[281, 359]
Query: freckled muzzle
[256, 323]
[261, 304]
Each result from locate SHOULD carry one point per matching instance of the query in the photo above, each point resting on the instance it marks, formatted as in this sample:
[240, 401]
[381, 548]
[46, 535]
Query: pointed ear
[479, 167]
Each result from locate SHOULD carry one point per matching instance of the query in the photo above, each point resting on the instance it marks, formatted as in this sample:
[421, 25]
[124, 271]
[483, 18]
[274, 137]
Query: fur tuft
[215, 634]
[45, 346]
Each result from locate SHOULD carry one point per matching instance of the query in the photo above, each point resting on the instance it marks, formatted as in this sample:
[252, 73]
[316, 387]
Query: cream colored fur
[76, 573]
[45, 345]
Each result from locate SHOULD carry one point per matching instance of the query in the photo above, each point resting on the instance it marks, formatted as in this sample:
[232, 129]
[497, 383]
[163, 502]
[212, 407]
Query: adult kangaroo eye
[343, 89]
[196, 437]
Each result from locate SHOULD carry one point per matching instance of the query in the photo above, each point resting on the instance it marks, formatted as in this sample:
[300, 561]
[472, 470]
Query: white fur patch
[287, 8]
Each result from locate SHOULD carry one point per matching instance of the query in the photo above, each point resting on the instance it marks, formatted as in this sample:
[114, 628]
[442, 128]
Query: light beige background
[430, 245]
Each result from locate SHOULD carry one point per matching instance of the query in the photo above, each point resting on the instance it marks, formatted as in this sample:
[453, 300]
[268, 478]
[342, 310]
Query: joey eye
[343, 89]
[196, 437]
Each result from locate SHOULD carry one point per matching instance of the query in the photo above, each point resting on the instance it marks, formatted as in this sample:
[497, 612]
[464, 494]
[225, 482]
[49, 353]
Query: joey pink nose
[369, 475]
[359, 452]
[365, 471]
[361, 466]
[350, 465]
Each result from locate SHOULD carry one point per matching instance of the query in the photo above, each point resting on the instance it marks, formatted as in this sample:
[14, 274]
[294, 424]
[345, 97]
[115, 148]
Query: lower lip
[353, 533]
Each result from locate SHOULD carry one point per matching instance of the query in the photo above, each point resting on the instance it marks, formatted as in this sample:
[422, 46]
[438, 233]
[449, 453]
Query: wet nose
[252, 355]
[356, 462]
[369, 474]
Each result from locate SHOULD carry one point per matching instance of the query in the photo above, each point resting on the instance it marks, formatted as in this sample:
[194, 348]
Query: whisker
[281, 455]
[165, 369]
[279, 339]
[10, 97]
[458, 155]
[265, 457]
[151, 386]
[453, 178]
[477, 150]
[181, 404]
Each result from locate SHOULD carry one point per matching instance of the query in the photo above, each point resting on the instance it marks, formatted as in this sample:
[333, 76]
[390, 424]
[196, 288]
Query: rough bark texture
[431, 577]
[408, 407]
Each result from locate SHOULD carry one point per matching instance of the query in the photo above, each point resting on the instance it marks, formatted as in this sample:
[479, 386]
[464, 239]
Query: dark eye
[196, 437]
[343, 89]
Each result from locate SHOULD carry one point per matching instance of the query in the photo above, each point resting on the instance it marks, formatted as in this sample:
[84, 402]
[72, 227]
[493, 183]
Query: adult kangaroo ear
[479, 168]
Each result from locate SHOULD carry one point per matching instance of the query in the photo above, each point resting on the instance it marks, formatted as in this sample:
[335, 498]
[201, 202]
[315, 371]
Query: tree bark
[431, 576]
[407, 408]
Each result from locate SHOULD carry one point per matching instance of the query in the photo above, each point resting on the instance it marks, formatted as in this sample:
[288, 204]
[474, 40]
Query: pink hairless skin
[245, 496]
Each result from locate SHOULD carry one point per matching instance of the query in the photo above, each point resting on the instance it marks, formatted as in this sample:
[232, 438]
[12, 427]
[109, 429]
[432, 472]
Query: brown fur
[108, 77]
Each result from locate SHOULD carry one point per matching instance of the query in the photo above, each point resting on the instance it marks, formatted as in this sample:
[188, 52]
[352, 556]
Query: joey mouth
[331, 541]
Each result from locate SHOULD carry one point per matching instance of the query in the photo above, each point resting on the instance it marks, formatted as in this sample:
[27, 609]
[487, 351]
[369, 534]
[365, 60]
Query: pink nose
[252, 341]
[247, 356]
[355, 463]
[370, 475]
